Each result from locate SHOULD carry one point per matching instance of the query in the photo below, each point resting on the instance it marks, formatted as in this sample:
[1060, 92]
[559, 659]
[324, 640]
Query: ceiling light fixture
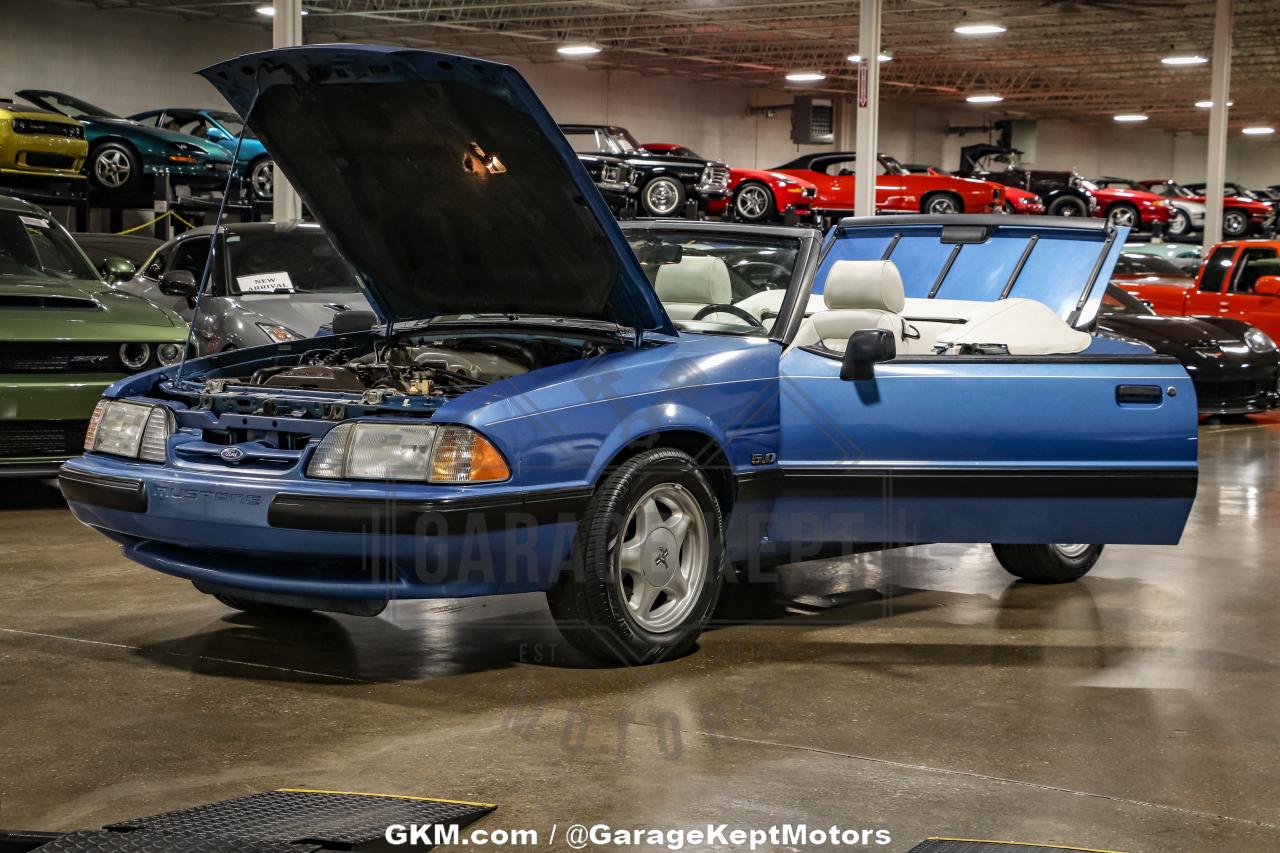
[1204, 105]
[1190, 59]
[1258, 131]
[1130, 117]
[806, 76]
[857, 57]
[984, 99]
[979, 29]
[578, 50]
[269, 11]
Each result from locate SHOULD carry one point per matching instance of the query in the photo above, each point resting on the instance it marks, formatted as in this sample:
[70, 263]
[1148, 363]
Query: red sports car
[1016, 200]
[1240, 215]
[756, 195]
[1135, 209]
[897, 190]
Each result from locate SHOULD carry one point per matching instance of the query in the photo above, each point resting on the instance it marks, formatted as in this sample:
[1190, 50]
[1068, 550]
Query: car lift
[287, 820]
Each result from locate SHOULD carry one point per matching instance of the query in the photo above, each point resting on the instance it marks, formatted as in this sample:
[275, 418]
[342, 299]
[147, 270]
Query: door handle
[1129, 395]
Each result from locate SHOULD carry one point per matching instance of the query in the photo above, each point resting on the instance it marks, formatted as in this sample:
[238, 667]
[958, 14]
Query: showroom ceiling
[1070, 58]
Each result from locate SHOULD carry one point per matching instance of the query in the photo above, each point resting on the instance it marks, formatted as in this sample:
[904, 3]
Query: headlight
[279, 334]
[362, 450]
[134, 430]
[1258, 340]
[135, 356]
[169, 353]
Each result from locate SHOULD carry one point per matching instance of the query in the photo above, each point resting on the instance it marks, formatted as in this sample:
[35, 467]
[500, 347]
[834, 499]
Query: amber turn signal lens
[465, 456]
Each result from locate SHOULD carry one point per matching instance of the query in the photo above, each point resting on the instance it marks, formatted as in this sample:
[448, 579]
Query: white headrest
[864, 284]
[697, 278]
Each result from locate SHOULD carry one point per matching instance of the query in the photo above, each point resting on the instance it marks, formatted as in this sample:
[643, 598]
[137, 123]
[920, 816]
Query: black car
[1235, 367]
[616, 181]
[1064, 193]
[666, 182]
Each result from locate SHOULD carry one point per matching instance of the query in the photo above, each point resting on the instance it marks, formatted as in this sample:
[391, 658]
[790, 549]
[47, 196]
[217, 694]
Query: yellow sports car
[37, 143]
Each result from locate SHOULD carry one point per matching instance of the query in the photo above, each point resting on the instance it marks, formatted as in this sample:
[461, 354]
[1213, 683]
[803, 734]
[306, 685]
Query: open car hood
[444, 181]
[1063, 262]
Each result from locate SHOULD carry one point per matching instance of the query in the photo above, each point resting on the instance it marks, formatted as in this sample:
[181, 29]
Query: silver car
[271, 282]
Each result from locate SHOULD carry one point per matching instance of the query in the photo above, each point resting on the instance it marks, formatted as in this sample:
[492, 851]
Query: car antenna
[217, 227]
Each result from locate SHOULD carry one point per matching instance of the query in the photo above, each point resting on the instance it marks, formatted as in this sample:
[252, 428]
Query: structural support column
[286, 31]
[1220, 89]
[868, 103]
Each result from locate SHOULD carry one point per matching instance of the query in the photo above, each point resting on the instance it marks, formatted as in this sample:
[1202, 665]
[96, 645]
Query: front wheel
[647, 562]
[753, 202]
[1068, 205]
[262, 178]
[1124, 214]
[1179, 223]
[1235, 223]
[663, 196]
[115, 167]
[1047, 563]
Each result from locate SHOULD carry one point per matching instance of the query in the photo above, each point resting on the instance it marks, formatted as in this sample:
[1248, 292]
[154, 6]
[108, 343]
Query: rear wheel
[942, 203]
[753, 202]
[1235, 223]
[1124, 214]
[262, 178]
[1058, 563]
[647, 564]
[1068, 205]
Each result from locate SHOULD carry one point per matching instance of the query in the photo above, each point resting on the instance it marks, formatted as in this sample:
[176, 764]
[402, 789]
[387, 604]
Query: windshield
[232, 124]
[891, 166]
[602, 140]
[1136, 264]
[69, 106]
[34, 247]
[299, 261]
[696, 274]
[1119, 301]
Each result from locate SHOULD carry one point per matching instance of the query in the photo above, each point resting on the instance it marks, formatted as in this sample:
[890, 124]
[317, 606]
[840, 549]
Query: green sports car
[65, 335]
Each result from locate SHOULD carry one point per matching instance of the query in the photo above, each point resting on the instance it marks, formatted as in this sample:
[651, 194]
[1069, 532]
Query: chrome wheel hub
[1233, 222]
[942, 205]
[662, 555]
[1122, 216]
[753, 201]
[662, 196]
[1072, 552]
[112, 168]
[1179, 223]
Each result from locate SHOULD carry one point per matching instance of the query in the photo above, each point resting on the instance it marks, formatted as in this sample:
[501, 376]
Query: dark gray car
[271, 282]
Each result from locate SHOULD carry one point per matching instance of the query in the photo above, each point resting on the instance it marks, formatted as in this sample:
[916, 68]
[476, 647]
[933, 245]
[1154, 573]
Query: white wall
[130, 61]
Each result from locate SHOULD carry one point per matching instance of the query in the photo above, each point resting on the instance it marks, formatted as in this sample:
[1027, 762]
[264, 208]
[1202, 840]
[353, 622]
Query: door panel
[1243, 303]
[993, 449]
[1208, 298]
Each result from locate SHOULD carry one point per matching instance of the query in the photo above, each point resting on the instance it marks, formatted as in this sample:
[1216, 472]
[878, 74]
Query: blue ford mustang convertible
[539, 407]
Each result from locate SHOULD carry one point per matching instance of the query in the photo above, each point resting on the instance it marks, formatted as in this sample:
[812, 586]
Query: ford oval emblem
[231, 454]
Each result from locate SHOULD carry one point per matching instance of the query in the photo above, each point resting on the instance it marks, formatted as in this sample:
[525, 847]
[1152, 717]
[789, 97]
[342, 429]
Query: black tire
[589, 599]
[754, 202]
[114, 167]
[1068, 205]
[663, 196]
[260, 176]
[1235, 223]
[1179, 223]
[261, 608]
[1124, 214]
[1047, 563]
[942, 204]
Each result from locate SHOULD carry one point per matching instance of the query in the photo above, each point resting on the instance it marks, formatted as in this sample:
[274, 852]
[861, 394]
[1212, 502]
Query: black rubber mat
[956, 845]
[101, 841]
[284, 821]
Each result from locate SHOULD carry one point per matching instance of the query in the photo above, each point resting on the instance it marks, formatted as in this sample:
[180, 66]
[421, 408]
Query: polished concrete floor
[919, 691]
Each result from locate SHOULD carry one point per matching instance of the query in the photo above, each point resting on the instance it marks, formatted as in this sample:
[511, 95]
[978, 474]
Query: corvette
[897, 190]
[537, 418]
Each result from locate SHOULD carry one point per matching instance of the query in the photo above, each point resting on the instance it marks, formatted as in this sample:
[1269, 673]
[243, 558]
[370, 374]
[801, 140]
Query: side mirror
[216, 134]
[178, 283]
[116, 270]
[866, 349]
[345, 322]
[1267, 285]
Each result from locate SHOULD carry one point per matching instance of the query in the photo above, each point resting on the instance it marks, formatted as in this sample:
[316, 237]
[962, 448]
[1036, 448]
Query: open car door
[1096, 445]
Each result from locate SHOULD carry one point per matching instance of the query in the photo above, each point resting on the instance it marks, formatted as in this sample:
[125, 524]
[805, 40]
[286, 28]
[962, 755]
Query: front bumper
[43, 419]
[261, 532]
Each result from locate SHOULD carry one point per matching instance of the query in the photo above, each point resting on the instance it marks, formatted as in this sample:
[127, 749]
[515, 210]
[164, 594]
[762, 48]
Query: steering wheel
[720, 308]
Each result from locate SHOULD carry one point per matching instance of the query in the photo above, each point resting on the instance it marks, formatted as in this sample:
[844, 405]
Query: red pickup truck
[1240, 279]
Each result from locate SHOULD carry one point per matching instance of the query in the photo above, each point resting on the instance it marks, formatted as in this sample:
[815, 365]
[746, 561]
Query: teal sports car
[123, 153]
[253, 166]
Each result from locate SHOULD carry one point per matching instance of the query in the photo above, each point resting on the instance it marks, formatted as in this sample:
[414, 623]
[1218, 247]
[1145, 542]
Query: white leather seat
[685, 288]
[858, 295]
